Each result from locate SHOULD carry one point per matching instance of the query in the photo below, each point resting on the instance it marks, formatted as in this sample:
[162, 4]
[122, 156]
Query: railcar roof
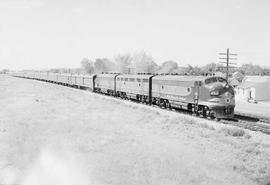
[135, 76]
[180, 78]
[51, 74]
[61, 74]
[106, 75]
[85, 76]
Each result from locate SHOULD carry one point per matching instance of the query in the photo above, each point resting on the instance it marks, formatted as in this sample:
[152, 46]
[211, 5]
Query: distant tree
[100, 66]
[55, 70]
[266, 72]
[180, 70]
[190, 70]
[168, 67]
[257, 70]
[250, 69]
[4, 71]
[104, 65]
[87, 65]
[209, 68]
[123, 61]
[144, 63]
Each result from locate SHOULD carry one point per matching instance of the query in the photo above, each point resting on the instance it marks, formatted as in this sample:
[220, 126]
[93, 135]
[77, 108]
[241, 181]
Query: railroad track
[256, 118]
[254, 123]
[249, 122]
[242, 121]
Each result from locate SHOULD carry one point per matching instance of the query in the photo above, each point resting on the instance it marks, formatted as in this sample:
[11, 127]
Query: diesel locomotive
[207, 96]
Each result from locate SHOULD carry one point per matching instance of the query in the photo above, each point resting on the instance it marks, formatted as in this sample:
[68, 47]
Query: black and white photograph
[134, 92]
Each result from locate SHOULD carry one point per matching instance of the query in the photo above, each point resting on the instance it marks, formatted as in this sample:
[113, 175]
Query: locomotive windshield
[222, 80]
[215, 79]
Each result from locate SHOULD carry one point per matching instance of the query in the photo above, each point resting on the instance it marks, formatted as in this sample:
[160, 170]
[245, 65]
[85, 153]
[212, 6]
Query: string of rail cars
[209, 97]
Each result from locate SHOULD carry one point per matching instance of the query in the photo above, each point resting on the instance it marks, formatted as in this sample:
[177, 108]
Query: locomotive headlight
[227, 94]
[214, 93]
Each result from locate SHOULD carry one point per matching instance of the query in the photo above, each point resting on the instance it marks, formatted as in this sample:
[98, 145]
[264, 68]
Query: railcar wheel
[137, 98]
[205, 112]
[168, 105]
[162, 104]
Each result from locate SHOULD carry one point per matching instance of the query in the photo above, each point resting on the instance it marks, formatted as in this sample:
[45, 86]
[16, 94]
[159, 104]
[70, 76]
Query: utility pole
[228, 63]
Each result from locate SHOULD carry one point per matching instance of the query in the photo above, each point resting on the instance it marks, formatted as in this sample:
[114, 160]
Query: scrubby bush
[205, 125]
[236, 132]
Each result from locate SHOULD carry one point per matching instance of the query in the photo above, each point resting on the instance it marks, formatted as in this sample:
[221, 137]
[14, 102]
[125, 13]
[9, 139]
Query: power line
[226, 56]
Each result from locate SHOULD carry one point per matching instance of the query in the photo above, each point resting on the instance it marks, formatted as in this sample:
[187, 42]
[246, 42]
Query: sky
[44, 34]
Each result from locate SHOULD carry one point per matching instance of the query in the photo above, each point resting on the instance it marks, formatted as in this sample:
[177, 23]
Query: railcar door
[114, 89]
[196, 96]
[252, 93]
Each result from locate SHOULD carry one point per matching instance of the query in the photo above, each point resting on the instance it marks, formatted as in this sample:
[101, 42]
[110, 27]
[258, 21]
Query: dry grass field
[51, 134]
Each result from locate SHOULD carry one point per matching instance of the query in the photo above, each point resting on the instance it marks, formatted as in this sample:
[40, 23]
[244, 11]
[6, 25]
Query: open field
[50, 134]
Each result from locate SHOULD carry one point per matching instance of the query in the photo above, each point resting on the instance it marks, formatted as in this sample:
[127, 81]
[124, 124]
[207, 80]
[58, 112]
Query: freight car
[202, 95]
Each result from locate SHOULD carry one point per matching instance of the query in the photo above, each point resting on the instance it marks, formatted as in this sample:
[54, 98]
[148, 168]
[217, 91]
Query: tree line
[142, 62]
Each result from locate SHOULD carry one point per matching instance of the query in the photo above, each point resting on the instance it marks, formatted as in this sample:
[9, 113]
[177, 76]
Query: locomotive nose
[216, 89]
[221, 89]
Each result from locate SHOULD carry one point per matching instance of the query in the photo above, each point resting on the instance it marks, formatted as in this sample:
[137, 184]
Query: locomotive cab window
[210, 80]
[222, 80]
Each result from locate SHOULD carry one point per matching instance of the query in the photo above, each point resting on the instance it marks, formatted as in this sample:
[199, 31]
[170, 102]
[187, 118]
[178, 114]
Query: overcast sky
[39, 34]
